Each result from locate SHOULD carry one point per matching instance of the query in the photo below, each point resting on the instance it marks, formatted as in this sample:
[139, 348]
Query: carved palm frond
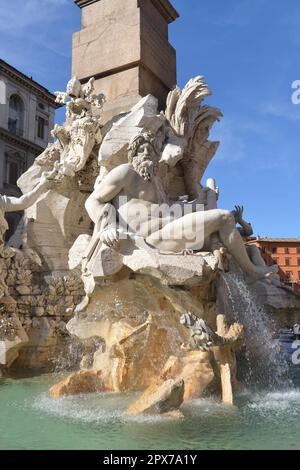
[205, 118]
[172, 101]
[183, 106]
[195, 91]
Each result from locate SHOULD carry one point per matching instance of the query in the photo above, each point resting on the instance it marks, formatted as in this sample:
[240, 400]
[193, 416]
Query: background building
[286, 253]
[27, 112]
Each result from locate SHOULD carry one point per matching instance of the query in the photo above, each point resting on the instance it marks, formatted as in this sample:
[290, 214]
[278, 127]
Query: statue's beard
[145, 168]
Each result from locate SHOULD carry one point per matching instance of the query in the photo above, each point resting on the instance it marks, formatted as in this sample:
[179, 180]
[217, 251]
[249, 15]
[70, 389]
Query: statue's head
[74, 88]
[143, 155]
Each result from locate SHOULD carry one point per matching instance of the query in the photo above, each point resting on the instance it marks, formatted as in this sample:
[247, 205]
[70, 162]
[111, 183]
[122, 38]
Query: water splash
[277, 402]
[69, 358]
[95, 409]
[264, 364]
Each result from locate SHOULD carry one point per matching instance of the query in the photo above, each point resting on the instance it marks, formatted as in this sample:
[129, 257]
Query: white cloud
[31, 28]
[26, 13]
[288, 111]
[35, 36]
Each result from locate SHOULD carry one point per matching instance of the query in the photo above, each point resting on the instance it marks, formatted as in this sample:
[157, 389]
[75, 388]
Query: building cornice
[27, 82]
[273, 240]
[166, 9]
[164, 6]
[23, 144]
[84, 3]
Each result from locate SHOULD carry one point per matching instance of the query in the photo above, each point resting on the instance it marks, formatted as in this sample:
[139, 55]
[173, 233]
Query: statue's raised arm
[48, 181]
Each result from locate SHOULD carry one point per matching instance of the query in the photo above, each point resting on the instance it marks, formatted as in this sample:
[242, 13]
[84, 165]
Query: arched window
[16, 115]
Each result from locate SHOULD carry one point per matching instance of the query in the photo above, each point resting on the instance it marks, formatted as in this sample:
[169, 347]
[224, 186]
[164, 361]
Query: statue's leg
[187, 232]
[255, 255]
[233, 241]
[192, 229]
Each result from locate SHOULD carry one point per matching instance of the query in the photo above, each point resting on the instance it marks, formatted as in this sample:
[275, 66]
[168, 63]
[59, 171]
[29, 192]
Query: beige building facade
[27, 113]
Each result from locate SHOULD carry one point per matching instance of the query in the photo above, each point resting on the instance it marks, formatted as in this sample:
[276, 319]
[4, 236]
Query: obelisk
[124, 45]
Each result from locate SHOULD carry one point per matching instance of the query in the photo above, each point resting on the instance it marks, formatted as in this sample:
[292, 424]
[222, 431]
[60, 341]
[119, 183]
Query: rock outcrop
[82, 382]
[13, 338]
[160, 398]
[138, 319]
[34, 312]
[195, 370]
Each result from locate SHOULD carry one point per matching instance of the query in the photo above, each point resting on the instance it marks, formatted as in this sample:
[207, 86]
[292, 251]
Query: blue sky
[249, 52]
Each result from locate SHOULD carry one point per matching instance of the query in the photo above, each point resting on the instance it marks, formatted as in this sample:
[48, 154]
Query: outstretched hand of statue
[238, 214]
[110, 237]
[51, 179]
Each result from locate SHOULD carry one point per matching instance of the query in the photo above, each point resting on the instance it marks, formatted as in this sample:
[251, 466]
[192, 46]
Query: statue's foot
[263, 272]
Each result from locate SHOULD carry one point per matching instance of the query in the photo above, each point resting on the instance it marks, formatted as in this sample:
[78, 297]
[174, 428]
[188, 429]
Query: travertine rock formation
[33, 318]
[84, 381]
[159, 399]
[144, 341]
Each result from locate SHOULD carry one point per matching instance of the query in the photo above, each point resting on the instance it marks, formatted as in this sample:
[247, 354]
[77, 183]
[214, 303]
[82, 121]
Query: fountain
[131, 312]
[127, 257]
[273, 371]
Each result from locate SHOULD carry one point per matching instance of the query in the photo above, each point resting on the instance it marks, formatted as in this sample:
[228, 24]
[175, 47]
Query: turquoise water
[30, 419]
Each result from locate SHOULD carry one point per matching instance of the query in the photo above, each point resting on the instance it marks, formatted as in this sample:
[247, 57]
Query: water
[265, 364]
[30, 419]
[265, 416]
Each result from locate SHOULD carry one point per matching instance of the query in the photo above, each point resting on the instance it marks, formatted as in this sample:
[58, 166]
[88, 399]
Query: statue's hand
[238, 214]
[51, 179]
[110, 237]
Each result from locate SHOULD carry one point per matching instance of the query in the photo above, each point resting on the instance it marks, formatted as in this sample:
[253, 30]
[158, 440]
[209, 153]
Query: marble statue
[254, 253]
[202, 335]
[246, 230]
[13, 335]
[13, 204]
[149, 190]
[134, 188]
[81, 131]
[56, 220]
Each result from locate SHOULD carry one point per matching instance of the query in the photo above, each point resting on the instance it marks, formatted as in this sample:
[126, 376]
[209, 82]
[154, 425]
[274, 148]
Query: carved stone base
[143, 342]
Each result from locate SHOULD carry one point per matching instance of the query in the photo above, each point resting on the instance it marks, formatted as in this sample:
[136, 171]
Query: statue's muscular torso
[136, 200]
